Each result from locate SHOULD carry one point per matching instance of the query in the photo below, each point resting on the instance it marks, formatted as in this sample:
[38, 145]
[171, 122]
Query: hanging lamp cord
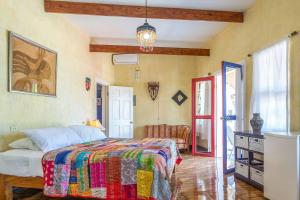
[146, 11]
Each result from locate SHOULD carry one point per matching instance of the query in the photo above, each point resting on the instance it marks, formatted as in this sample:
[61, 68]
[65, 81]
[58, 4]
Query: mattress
[21, 162]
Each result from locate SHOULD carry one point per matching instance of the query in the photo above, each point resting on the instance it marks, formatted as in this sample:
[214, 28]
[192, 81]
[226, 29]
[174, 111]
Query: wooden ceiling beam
[139, 11]
[156, 50]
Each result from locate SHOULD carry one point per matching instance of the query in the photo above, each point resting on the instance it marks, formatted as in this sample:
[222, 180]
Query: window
[270, 90]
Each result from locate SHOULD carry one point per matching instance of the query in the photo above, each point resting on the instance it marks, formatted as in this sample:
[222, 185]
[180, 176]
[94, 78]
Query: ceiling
[171, 33]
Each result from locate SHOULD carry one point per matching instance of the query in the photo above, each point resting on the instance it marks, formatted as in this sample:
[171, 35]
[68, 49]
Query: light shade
[146, 36]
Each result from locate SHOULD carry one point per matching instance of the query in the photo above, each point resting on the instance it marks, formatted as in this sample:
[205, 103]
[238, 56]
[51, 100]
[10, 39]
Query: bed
[105, 169]
[7, 178]
[21, 162]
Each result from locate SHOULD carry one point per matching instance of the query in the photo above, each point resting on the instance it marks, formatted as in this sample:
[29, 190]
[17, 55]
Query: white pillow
[24, 143]
[88, 133]
[48, 139]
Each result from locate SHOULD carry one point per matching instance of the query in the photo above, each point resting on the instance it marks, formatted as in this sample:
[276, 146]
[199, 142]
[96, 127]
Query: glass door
[232, 103]
[203, 116]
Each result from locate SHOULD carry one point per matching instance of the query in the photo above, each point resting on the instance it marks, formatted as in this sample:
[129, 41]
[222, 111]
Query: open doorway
[231, 104]
[219, 114]
[229, 111]
[101, 105]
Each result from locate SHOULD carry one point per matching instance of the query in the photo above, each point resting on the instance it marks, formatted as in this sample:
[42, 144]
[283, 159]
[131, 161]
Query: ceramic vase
[256, 123]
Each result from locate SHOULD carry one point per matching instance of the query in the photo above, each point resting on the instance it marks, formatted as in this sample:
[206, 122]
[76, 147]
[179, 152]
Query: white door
[120, 112]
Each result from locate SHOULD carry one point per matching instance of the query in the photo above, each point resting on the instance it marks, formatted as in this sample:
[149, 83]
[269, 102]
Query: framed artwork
[32, 67]
[179, 97]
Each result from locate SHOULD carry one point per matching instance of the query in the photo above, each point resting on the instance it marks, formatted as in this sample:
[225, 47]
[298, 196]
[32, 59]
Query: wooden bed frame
[7, 183]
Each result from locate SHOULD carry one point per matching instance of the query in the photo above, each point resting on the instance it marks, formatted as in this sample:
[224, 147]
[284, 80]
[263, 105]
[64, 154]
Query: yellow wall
[267, 22]
[173, 73]
[73, 103]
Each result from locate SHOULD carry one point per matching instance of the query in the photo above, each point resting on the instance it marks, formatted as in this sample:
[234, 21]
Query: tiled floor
[202, 179]
[196, 178]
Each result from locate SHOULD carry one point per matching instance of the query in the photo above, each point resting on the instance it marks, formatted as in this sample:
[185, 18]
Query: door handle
[224, 118]
[131, 122]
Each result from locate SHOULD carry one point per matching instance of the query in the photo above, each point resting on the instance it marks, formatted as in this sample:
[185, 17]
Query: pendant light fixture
[146, 35]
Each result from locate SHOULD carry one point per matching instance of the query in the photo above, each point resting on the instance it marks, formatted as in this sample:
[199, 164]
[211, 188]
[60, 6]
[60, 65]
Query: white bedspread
[21, 162]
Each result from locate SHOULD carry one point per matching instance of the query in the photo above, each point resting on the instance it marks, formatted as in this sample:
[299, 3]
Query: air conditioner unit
[125, 59]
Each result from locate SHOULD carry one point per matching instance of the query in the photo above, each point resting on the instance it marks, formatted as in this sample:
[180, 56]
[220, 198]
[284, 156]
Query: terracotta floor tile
[203, 179]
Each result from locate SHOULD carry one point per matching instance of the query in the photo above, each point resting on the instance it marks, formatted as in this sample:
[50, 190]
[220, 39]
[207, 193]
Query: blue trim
[230, 117]
[99, 106]
[226, 65]
[234, 65]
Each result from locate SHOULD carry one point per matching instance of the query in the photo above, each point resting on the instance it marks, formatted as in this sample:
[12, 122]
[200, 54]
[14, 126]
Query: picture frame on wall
[32, 67]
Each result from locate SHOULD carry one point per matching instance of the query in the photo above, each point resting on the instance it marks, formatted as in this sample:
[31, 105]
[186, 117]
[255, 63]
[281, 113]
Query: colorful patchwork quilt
[114, 169]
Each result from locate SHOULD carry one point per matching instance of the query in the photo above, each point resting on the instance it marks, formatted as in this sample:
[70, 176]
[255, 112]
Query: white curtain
[204, 108]
[270, 86]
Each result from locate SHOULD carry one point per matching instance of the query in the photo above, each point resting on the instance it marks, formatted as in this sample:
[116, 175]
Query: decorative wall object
[153, 88]
[256, 123]
[87, 83]
[137, 74]
[179, 97]
[32, 67]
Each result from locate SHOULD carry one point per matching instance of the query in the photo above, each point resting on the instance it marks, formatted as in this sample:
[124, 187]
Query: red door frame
[211, 116]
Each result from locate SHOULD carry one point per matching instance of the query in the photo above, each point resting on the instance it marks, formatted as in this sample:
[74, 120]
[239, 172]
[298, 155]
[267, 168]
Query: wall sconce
[137, 73]
[87, 83]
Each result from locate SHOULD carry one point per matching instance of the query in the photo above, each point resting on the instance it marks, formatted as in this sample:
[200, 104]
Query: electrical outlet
[13, 128]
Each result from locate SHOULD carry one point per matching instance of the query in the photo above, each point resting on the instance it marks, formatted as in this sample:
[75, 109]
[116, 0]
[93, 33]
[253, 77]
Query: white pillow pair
[88, 133]
[48, 139]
